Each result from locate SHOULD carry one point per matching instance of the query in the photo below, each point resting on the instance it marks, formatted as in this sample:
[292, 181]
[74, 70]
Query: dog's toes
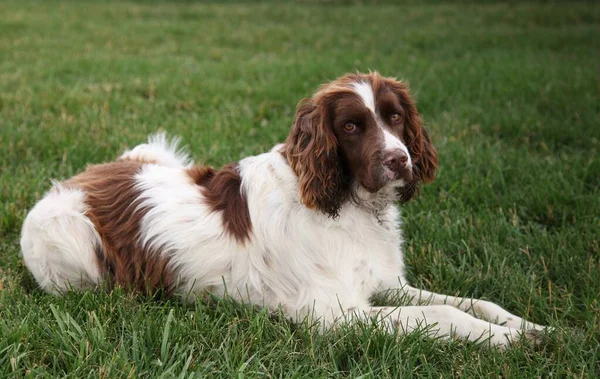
[532, 326]
[517, 337]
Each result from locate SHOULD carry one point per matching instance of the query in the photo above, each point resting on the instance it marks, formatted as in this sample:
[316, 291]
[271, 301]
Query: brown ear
[311, 150]
[422, 152]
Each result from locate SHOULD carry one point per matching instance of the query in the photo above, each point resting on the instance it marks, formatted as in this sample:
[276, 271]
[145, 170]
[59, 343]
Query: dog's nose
[395, 160]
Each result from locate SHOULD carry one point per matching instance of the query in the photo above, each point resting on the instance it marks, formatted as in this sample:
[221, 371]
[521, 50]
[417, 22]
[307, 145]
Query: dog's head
[360, 129]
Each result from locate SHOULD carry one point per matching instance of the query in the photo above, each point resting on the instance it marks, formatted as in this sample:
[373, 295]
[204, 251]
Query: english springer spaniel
[310, 228]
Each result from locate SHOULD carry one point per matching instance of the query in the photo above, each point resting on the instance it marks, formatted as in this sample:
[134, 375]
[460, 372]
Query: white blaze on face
[393, 143]
[365, 91]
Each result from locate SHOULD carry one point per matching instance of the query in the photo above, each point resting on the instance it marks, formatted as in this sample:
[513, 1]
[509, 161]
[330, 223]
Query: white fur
[364, 90]
[161, 150]
[297, 259]
[180, 226]
[58, 242]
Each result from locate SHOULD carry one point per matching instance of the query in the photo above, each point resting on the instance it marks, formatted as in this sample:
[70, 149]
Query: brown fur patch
[222, 192]
[113, 208]
[311, 150]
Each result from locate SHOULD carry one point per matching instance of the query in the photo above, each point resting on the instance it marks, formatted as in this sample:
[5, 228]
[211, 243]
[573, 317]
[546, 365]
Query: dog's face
[359, 129]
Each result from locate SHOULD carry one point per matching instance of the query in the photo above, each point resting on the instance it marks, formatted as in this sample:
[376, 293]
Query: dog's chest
[362, 251]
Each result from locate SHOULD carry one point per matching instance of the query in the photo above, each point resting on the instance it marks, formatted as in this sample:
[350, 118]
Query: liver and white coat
[311, 227]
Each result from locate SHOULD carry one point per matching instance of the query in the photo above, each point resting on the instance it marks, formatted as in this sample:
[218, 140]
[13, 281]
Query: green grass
[510, 93]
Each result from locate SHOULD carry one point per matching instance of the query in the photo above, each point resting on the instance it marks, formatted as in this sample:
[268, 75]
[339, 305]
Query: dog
[310, 228]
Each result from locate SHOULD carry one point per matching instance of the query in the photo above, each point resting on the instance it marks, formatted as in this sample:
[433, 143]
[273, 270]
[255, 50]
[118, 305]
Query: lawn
[510, 94]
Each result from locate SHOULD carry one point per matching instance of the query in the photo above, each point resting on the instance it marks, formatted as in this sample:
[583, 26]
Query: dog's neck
[372, 202]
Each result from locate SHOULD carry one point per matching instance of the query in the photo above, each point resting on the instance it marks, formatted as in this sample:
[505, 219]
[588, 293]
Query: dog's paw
[514, 337]
[529, 337]
[532, 326]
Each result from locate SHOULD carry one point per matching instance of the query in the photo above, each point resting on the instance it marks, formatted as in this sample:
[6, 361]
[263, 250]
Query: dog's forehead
[371, 93]
[364, 90]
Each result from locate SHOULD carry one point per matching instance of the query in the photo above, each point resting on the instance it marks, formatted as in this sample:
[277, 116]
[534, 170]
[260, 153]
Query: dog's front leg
[486, 309]
[442, 321]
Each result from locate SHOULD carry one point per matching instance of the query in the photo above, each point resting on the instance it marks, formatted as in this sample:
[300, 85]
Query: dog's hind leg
[59, 242]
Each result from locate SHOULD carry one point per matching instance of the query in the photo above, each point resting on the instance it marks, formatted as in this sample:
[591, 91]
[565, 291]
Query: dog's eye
[350, 127]
[396, 118]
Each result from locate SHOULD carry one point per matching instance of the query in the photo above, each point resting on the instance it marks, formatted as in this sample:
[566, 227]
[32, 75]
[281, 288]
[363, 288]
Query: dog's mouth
[387, 178]
[398, 178]
[389, 174]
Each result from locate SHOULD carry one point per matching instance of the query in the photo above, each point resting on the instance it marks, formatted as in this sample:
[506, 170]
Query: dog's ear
[312, 152]
[422, 151]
